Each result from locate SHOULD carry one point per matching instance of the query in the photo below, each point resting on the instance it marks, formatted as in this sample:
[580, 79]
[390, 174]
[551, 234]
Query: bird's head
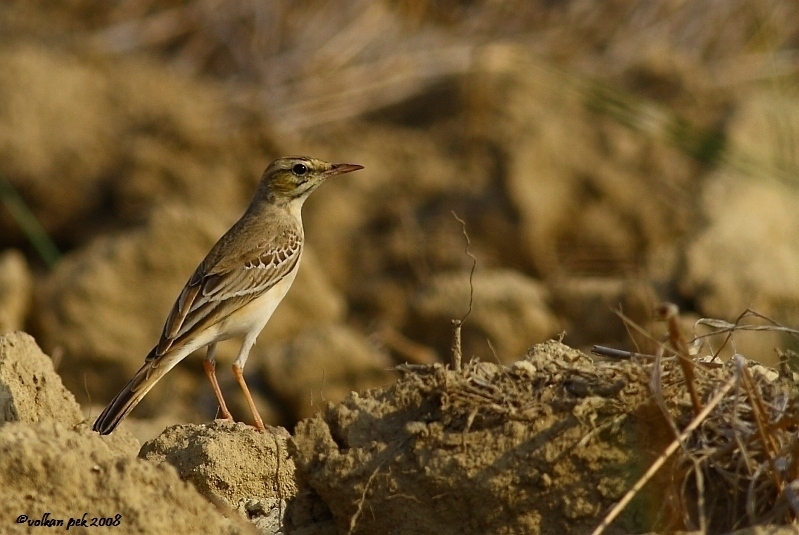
[295, 177]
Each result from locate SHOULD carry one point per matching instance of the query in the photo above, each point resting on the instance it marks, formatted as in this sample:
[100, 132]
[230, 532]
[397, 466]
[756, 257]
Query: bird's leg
[209, 366]
[238, 373]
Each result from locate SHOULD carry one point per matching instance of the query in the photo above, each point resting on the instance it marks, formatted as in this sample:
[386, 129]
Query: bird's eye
[299, 169]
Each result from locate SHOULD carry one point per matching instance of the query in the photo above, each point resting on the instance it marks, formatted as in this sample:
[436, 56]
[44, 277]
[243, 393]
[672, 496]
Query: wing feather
[214, 292]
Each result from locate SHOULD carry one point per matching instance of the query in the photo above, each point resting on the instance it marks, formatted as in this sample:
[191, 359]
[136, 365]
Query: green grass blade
[24, 217]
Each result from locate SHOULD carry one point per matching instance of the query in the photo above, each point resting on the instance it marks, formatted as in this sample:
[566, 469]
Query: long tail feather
[130, 396]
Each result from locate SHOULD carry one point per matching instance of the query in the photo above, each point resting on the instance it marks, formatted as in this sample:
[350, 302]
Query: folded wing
[216, 291]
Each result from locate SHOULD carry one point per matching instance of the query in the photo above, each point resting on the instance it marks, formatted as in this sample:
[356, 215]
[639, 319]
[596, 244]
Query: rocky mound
[547, 444]
[491, 449]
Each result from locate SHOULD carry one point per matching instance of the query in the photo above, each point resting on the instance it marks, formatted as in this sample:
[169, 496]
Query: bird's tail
[131, 394]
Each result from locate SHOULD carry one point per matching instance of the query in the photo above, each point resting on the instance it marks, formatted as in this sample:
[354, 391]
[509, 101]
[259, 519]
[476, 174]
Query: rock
[509, 310]
[437, 452]
[43, 465]
[232, 462]
[323, 364]
[30, 390]
[16, 288]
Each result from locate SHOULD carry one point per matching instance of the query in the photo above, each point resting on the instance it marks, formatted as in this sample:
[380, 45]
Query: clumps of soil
[30, 390]
[547, 444]
[542, 446]
[232, 463]
[53, 468]
[50, 471]
[550, 444]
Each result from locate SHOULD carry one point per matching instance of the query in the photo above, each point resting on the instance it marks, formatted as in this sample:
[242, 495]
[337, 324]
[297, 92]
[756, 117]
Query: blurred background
[603, 156]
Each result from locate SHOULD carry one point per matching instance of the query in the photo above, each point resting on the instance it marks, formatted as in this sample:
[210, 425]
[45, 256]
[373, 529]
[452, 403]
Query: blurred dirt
[509, 310]
[759, 271]
[298, 373]
[16, 290]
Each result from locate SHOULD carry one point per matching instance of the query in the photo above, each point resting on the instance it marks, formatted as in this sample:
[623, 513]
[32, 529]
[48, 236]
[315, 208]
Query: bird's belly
[252, 317]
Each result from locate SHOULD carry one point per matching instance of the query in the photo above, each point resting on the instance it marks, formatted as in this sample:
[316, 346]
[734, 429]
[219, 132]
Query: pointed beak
[341, 168]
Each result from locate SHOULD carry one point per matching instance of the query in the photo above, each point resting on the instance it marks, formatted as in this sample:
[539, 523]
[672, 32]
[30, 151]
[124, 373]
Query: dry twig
[669, 313]
[675, 444]
[457, 351]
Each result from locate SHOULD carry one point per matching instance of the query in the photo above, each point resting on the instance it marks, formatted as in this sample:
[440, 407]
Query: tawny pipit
[235, 290]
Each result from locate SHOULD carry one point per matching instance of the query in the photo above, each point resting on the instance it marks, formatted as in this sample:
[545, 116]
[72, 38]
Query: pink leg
[209, 366]
[238, 373]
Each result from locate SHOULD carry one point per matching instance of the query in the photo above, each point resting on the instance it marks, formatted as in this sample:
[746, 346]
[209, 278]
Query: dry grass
[741, 466]
[733, 461]
[737, 459]
[315, 62]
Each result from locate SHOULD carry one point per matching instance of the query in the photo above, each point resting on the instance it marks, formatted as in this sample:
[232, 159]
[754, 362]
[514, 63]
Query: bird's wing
[217, 289]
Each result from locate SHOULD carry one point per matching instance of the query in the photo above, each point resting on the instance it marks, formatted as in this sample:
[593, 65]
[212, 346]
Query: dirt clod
[30, 390]
[234, 463]
[42, 466]
[493, 449]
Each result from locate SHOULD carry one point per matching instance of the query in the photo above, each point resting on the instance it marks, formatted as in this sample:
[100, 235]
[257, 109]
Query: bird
[236, 288]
